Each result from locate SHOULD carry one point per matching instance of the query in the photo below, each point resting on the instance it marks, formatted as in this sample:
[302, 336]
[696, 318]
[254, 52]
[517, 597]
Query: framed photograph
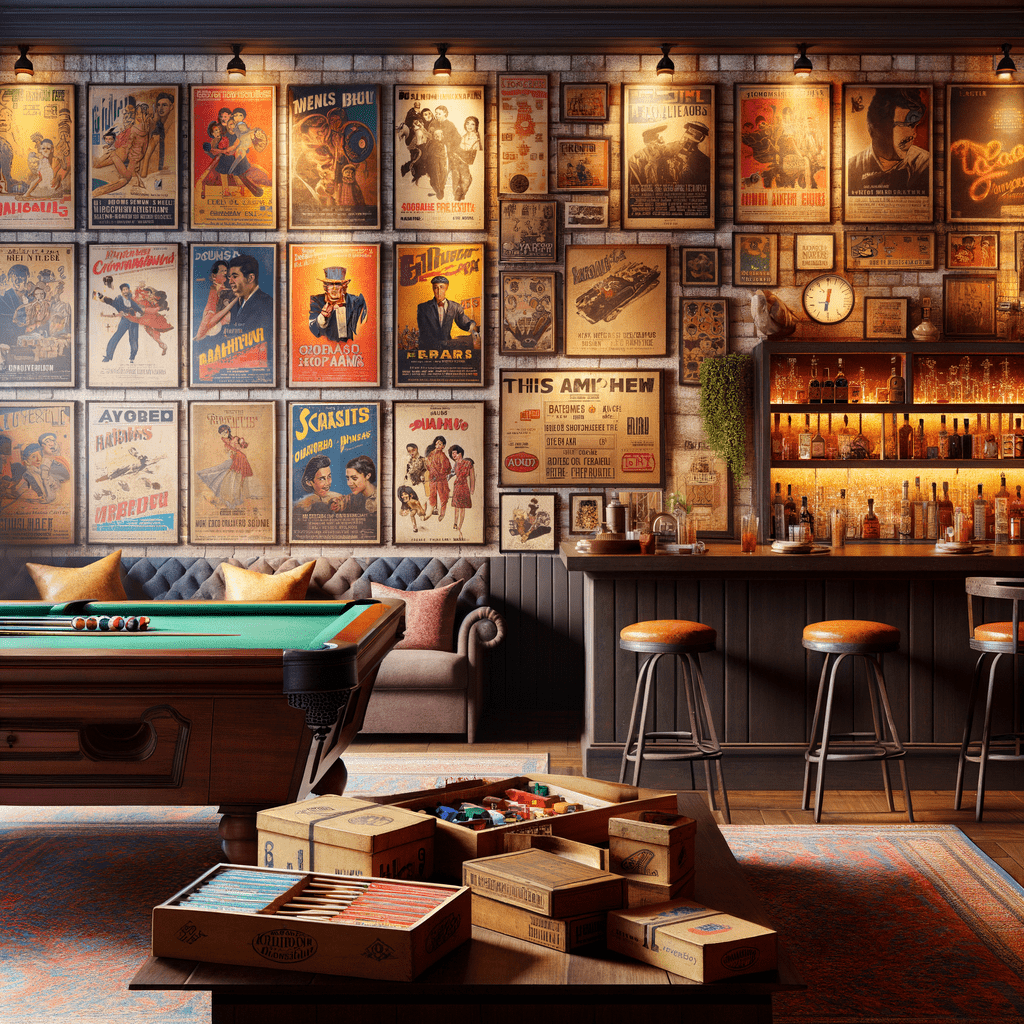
[131, 491]
[528, 312]
[890, 250]
[969, 305]
[522, 134]
[584, 102]
[668, 156]
[755, 259]
[334, 473]
[783, 145]
[885, 318]
[973, 250]
[814, 252]
[616, 300]
[528, 231]
[586, 513]
[526, 523]
[703, 333]
[582, 164]
[706, 483]
[699, 266]
[334, 314]
[887, 153]
[584, 212]
[334, 156]
[438, 468]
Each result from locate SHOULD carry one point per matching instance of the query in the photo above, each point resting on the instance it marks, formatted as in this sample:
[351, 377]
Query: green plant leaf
[725, 392]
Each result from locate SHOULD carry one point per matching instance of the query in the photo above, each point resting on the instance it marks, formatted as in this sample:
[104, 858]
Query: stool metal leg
[805, 802]
[826, 732]
[899, 751]
[874, 695]
[979, 806]
[640, 697]
[972, 702]
[702, 728]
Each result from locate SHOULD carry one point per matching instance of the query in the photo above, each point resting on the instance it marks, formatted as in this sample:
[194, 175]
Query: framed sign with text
[523, 134]
[890, 250]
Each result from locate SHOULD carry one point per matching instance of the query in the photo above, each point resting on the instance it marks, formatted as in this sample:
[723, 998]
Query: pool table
[243, 705]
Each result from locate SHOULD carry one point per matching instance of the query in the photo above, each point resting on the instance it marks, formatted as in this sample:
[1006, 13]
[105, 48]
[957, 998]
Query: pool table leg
[238, 836]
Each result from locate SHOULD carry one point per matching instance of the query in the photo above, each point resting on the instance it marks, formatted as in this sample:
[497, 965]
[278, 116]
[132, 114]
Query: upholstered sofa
[417, 691]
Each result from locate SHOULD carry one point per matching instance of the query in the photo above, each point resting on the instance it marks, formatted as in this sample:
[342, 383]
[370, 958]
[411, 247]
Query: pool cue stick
[152, 635]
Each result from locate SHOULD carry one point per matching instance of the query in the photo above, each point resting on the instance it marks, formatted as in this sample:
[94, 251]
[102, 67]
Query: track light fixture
[802, 65]
[442, 66]
[236, 66]
[666, 69]
[23, 69]
[1006, 68]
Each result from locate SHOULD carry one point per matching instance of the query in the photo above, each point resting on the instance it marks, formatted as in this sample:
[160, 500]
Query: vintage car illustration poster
[37, 157]
[334, 473]
[133, 166]
[528, 231]
[38, 314]
[439, 158]
[668, 156]
[616, 300]
[334, 314]
[528, 307]
[234, 157]
[703, 334]
[132, 472]
[523, 134]
[334, 156]
[582, 164]
[586, 212]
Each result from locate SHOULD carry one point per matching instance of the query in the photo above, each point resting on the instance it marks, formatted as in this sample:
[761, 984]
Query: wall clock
[828, 299]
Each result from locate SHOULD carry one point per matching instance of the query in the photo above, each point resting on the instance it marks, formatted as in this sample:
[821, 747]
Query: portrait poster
[439, 158]
[616, 300]
[887, 153]
[969, 305]
[37, 157]
[528, 231]
[38, 314]
[586, 102]
[439, 308]
[703, 333]
[523, 134]
[699, 265]
[334, 473]
[783, 154]
[133, 338]
[668, 157]
[704, 481]
[334, 314]
[133, 159]
[582, 164]
[439, 464]
[231, 473]
[526, 523]
[972, 250]
[586, 212]
[592, 428]
[334, 156]
[131, 490]
[233, 178]
[528, 308]
[586, 513]
[755, 259]
[232, 315]
[890, 250]
[985, 153]
[37, 473]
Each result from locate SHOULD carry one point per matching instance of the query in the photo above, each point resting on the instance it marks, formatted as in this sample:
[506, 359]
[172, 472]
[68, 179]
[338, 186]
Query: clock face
[828, 299]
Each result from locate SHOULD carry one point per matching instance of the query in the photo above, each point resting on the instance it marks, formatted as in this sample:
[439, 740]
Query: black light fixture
[1006, 68]
[442, 66]
[666, 69]
[236, 66]
[23, 69]
[802, 65]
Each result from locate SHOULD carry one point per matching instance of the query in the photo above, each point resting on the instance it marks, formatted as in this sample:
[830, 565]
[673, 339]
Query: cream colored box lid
[688, 921]
[652, 826]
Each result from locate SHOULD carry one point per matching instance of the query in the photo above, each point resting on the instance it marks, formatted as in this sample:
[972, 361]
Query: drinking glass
[748, 533]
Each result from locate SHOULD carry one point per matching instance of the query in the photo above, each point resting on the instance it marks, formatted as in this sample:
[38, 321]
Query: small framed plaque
[885, 318]
[814, 252]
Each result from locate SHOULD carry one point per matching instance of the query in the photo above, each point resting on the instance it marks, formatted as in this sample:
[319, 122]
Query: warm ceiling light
[236, 66]
[442, 66]
[802, 65]
[1005, 68]
[23, 69]
[666, 69]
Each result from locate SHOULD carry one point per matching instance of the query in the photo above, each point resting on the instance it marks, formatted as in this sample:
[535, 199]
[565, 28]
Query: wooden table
[501, 979]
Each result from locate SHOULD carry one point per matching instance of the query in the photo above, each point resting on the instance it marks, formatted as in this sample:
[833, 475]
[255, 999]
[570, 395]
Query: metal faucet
[673, 519]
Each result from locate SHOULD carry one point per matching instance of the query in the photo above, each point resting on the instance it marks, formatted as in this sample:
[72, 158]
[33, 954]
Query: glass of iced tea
[748, 533]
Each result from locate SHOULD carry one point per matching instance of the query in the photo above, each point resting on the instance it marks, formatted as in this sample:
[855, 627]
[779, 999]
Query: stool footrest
[870, 752]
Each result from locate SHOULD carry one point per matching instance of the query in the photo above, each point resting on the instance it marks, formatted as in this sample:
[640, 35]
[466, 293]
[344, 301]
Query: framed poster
[334, 314]
[334, 473]
[814, 252]
[887, 153]
[528, 231]
[974, 250]
[586, 513]
[584, 102]
[890, 250]
[591, 428]
[698, 266]
[439, 158]
[783, 146]
[984, 140]
[233, 315]
[133, 338]
[37, 473]
[705, 482]
[233, 168]
[231, 472]
[134, 166]
[582, 164]
[703, 333]
[755, 259]
[131, 490]
[886, 318]
[969, 305]
[38, 314]
[526, 523]
[523, 134]
[528, 303]
[37, 157]
[583, 212]
[668, 156]
[439, 304]
[616, 300]
[334, 156]
[439, 461]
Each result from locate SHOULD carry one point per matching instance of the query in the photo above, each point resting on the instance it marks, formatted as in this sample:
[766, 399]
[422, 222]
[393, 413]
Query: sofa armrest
[484, 626]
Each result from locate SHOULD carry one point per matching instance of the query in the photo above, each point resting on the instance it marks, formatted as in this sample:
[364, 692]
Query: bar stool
[995, 638]
[838, 640]
[687, 641]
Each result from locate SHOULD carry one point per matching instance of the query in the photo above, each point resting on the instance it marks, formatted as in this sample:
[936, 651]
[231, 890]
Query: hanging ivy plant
[724, 403]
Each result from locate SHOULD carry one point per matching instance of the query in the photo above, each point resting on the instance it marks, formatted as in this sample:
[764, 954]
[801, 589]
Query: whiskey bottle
[956, 442]
[980, 512]
[920, 442]
[931, 531]
[804, 440]
[945, 510]
[842, 386]
[943, 438]
[844, 439]
[870, 529]
[906, 438]
[920, 511]
[897, 385]
[1015, 514]
[777, 439]
[778, 528]
[814, 385]
[806, 519]
[1001, 513]
[991, 444]
[828, 389]
[861, 446]
[792, 516]
[905, 532]
[967, 442]
[818, 442]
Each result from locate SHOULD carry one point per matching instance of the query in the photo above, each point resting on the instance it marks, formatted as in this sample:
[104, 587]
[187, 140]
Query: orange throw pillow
[246, 585]
[429, 615]
[98, 581]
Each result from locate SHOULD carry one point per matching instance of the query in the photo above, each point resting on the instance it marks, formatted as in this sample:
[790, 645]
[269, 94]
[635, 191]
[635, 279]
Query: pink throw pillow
[429, 615]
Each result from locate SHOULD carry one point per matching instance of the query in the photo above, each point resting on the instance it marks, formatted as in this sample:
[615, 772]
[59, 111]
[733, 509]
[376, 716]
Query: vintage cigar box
[652, 846]
[640, 893]
[562, 933]
[582, 853]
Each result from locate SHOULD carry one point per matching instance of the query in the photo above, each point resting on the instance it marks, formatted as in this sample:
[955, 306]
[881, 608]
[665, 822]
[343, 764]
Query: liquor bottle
[1015, 513]
[892, 441]
[861, 446]
[943, 438]
[842, 386]
[804, 440]
[806, 519]
[814, 385]
[831, 442]
[828, 389]
[906, 438]
[945, 510]
[980, 511]
[920, 442]
[818, 442]
[778, 530]
[979, 440]
[820, 515]
[777, 439]
[870, 529]
[1001, 513]
[991, 445]
[840, 520]
[792, 516]
[897, 385]
[920, 511]
[967, 442]
[789, 441]
[905, 532]
[956, 442]
[844, 439]
[1006, 441]
[931, 529]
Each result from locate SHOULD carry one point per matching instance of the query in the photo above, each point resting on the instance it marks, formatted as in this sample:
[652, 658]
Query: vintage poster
[704, 481]
[985, 153]
[334, 156]
[586, 102]
[885, 318]
[231, 467]
[523, 134]
[439, 157]
[37, 314]
[526, 523]
[133, 165]
[582, 164]
[890, 250]
[438, 464]
[528, 231]
[334, 472]
[755, 259]
[334, 314]
[233, 164]
[783, 154]
[887, 153]
[37, 473]
[699, 265]
[969, 305]
[132, 472]
[594, 427]
[616, 300]
[37, 157]
[233, 318]
[133, 316]
[528, 307]
[586, 212]
[439, 305]
[668, 157]
[972, 250]
[703, 333]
